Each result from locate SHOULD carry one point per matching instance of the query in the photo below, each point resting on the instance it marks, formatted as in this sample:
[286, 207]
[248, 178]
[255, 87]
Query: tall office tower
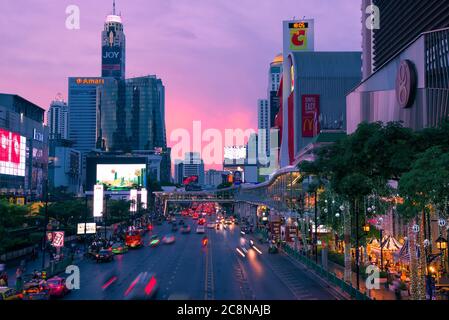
[131, 115]
[263, 124]
[401, 21]
[113, 47]
[191, 165]
[57, 119]
[274, 80]
[88, 97]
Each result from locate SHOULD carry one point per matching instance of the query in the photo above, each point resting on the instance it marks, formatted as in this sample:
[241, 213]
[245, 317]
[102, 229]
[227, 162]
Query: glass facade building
[23, 148]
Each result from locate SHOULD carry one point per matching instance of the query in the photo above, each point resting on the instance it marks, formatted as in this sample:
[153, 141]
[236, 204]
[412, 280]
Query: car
[168, 239]
[195, 216]
[211, 225]
[57, 286]
[228, 221]
[201, 221]
[36, 290]
[9, 294]
[154, 240]
[104, 255]
[119, 248]
[143, 287]
[185, 229]
[149, 227]
[200, 229]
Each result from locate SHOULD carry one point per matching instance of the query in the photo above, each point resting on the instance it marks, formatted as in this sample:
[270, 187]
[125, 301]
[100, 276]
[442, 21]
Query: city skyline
[234, 36]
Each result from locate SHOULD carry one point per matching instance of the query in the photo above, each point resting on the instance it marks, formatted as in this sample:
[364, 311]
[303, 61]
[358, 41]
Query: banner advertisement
[310, 114]
[133, 199]
[98, 200]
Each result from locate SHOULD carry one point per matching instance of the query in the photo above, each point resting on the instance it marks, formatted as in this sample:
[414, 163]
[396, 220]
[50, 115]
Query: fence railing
[331, 277]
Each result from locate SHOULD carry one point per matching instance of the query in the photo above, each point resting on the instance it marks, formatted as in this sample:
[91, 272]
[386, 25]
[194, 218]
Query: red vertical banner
[291, 128]
[310, 114]
[4, 145]
[15, 148]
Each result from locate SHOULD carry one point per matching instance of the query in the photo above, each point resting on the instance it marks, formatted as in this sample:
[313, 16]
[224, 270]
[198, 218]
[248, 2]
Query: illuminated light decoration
[143, 198]
[258, 251]
[98, 200]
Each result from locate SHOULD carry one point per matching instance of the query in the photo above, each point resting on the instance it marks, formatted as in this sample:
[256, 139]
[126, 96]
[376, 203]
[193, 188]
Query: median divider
[329, 276]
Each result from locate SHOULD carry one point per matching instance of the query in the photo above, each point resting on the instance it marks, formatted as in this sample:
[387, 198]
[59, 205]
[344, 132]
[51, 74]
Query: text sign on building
[98, 200]
[298, 35]
[111, 57]
[58, 239]
[310, 113]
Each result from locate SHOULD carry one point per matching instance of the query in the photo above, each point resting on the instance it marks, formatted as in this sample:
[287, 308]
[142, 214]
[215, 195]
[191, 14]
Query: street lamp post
[44, 243]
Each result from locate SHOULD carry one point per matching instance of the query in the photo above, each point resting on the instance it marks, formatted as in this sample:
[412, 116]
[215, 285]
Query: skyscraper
[131, 115]
[274, 80]
[57, 119]
[113, 45]
[263, 124]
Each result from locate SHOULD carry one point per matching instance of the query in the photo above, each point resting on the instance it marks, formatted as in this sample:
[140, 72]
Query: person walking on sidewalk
[19, 281]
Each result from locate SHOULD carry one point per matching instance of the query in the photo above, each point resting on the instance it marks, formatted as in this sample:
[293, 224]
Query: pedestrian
[19, 282]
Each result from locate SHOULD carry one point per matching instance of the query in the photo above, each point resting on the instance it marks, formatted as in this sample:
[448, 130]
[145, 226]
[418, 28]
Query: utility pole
[44, 238]
[316, 226]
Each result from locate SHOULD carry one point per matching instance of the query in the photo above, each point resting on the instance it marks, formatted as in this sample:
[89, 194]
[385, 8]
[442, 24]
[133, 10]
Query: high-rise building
[113, 45]
[23, 148]
[131, 115]
[58, 119]
[191, 166]
[274, 80]
[263, 116]
[401, 22]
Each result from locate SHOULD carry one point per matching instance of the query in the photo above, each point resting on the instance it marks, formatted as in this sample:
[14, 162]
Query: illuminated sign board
[143, 198]
[298, 36]
[98, 200]
[121, 176]
[12, 153]
[111, 58]
[89, 81]
[310, 114]
[38, 136]
[87, 228]
[189, 180]
[58, 239]
[133, 199]
[234, 152]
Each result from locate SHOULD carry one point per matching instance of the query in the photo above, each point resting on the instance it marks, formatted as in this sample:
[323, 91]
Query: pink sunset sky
[212, 55]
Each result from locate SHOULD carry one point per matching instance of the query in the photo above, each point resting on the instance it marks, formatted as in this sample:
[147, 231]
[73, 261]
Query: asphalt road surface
[187, 270]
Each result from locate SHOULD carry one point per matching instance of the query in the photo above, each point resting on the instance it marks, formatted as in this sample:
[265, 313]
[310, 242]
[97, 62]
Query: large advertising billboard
[133, 199]
[310, 113]
[98, 200]
[12, 153]
[299, 36]
[189, 180]
[121, 176]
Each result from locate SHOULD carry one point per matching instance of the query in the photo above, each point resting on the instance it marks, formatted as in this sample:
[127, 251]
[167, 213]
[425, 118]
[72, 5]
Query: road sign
[441, 222]
[58, 239]
[415, 228]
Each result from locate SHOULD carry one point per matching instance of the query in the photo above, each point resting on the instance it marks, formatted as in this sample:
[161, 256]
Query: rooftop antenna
[113, 7]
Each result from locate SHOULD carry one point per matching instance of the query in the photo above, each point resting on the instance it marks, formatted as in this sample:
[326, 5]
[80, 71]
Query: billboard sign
[143, 198]
[234, 152]
[87, 228]
[121, 176]
[299, 36]
[58, 239]
[310, 113]
[12, 153]
[237, 177]
[98, 200]
[111, 56]
[133, 199]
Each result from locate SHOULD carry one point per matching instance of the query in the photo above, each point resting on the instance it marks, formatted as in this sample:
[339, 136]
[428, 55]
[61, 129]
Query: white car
[200, 229]
[211, 225]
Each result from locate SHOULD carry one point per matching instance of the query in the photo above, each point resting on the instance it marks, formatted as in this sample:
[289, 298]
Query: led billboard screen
[121, 176]
[12, 153]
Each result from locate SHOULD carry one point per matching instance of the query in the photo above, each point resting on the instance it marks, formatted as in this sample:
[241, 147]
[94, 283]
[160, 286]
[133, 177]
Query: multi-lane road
[188, 270]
